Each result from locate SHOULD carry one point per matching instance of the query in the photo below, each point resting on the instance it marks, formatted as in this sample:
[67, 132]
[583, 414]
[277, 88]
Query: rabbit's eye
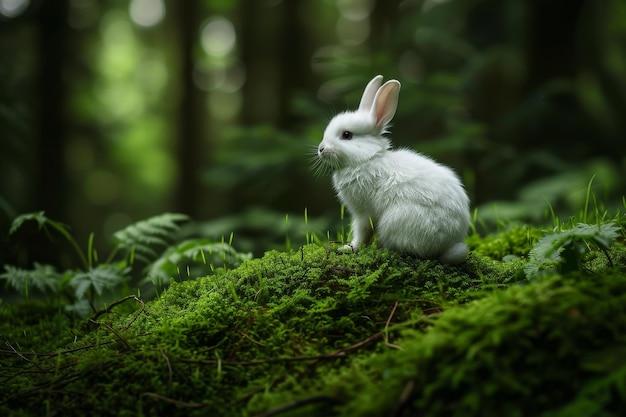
[346, 135]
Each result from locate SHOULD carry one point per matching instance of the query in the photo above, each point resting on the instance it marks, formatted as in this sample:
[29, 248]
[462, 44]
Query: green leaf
[199, 252]
[44, 221]
[98, 279]
[142, 237]
[39, 217]
[81, 308]
[565, 249]
[43, 277]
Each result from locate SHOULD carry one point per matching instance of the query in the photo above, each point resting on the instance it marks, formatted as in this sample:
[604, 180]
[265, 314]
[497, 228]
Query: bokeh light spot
[353, 32]
[147, 13]
[218, 37]
[13, 8]
[355, 10]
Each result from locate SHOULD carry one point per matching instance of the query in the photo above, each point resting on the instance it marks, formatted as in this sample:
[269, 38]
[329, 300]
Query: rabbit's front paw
[349, 248]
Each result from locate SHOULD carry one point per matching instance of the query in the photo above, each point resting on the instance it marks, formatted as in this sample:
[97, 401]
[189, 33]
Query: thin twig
[15, 351]
[405, 396]
[173, 401]
[358, 345]
[250, 338]
[169, 367]
[143, 310]
[335, 355]
[386, 330]
[372, 338]
[293, 405]
[115, 332]
[120, 301]
[266, 361]
[52, 385]
[63, 352]
[343, 269]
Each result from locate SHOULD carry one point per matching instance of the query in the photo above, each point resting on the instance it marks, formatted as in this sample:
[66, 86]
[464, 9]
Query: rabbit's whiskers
[322, 166]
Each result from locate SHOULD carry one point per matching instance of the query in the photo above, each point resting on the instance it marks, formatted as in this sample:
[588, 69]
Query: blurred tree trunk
[551, 48]
[384, 18]
[189, 144]
[259, 32]
[297, 50]
[51, 185]
[276, 48]
[555, 114]
[599, 47]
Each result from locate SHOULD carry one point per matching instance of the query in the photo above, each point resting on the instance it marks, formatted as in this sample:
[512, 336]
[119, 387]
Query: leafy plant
[44, 223]
[43, 277]
[141, 239]
[147, 241]
[564, 250]
[201, 253]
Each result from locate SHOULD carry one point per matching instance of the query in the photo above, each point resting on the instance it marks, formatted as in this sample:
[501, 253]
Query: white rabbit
[415, 205]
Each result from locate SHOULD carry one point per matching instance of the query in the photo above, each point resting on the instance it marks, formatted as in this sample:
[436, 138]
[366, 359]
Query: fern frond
[565, 248]
[43, 222]
[98, 279]
[39, 217]
[81, 308]
[43, 277]
[200, 252]
[144, 236]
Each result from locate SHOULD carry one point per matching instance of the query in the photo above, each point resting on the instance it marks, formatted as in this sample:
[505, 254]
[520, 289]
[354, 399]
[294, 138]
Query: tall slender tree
[51, 107]
[189, 130]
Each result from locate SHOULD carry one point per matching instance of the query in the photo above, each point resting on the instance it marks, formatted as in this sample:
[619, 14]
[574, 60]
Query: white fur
[416, 205]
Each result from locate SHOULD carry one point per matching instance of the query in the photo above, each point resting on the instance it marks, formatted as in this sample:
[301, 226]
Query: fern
[43, 223]
[564, 251]
[201, 252]
[97, 280]
[140, 239]
[43, 277]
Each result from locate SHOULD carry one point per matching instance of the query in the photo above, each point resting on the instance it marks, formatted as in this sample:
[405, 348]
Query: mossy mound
[318, 333]
[556, 348]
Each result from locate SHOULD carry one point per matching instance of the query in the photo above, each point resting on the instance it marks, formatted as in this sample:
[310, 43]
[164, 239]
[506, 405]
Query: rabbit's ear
[385, 103]
[370, 92]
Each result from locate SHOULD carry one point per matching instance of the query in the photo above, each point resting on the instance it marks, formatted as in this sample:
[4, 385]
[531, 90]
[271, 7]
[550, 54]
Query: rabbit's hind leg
[407, 230]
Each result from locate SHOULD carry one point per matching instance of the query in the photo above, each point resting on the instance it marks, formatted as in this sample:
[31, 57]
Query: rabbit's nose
[320, 150]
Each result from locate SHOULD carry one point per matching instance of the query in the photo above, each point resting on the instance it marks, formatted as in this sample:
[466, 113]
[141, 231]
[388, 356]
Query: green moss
[530, 350]
[316, 332]
[516, 241]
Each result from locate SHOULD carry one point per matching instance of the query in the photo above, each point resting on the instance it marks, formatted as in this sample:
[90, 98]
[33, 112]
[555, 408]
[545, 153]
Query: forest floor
[528, 326]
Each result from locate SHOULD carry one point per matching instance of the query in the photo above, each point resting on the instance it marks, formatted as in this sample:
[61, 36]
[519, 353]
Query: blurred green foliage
[212, 108]
[147, 256]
